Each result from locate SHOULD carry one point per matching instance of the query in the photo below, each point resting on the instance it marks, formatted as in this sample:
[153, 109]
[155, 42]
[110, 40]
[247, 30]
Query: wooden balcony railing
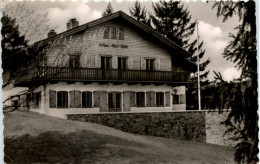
[96, 74]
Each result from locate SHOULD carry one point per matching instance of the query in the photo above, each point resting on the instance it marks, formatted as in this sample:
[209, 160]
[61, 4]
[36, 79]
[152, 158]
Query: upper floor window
[106, 33]
[121, 34]
[122, 63]
[150, 64]
[113, 33]
[106, 62]
[74, 60]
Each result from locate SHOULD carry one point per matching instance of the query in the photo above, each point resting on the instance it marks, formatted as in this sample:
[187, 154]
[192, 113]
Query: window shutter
[97, 99]
[66, 99]
[103, 101]
[52, 95]
[148, 98]
[130, 63]
[40, 98]
[182, 99]
[152, 98]
[78, 59]
[71, 60]
[157, 64]
[114, 62]
[97, 61]
[142, 63]
[77, 99]
[72, 97]
[90, 99]
[22, 102]
[168, 98]
[28, 100]
[132, 99]
[34, 99]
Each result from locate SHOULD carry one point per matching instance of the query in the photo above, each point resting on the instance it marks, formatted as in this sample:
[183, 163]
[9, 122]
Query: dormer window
[121, 34]
[106, 33]
[113, 33]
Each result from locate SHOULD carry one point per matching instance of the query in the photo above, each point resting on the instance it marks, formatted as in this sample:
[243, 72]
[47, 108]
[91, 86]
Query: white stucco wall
[79, 86]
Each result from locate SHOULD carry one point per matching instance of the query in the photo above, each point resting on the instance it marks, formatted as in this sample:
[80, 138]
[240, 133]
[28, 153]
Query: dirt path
[152, 149]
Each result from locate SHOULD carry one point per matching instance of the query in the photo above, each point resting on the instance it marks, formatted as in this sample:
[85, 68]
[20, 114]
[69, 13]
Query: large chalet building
[112, 64]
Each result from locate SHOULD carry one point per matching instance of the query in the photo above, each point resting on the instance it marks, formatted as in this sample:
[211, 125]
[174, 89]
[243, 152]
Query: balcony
[108, 75]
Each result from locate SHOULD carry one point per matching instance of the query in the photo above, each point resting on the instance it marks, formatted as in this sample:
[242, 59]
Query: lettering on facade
[113, 45]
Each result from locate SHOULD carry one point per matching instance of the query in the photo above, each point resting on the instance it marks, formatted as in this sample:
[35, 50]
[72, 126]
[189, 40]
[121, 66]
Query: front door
[126, 100]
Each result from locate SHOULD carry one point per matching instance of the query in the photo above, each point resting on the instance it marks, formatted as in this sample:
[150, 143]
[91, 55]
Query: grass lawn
[35, 138]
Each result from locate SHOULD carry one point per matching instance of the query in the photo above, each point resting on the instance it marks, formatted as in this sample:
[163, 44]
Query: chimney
[72, 23]
[51, 33]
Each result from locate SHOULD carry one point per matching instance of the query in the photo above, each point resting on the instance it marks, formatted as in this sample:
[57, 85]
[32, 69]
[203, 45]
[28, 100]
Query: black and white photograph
[129, 82]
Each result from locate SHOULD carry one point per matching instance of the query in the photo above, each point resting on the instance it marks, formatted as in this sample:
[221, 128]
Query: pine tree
[12, 43]
[109, 10]
[241, 96]
[173, 21]
[140, 13]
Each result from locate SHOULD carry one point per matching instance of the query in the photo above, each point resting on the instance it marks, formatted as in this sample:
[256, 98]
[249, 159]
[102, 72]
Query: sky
[212, 30]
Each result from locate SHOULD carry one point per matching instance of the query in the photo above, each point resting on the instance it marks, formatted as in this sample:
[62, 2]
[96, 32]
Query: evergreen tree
[12, 44]
[140, 13]
[109, 10]
[242, 99]
[173, 21]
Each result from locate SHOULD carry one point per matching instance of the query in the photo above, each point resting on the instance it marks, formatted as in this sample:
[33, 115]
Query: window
[159, 99]
[122, 62]
[121, 34]
[28, 100]
[140, 100]
[113, 33]
[37, 99]
[114, 100]
[86, 99]
[75, 99]
[175, 99]
[74, 60]
[105, 62]
[62, 99]
[106, 33]
[150, 64]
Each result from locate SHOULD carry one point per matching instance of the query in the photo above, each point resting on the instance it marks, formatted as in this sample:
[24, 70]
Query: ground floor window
[140, 99]
[37, 99]
[179, 99]
[86, 99]
[175, 99]
[159, 98]
[114, 100]
[62, 99]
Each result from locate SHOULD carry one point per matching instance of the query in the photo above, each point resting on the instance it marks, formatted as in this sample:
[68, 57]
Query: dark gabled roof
[130, 20]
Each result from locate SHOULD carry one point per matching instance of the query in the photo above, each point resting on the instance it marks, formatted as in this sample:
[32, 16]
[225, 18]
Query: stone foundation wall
[188, 125]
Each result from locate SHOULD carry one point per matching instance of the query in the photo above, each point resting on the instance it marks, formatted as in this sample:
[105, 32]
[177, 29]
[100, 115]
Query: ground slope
[36, 138]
